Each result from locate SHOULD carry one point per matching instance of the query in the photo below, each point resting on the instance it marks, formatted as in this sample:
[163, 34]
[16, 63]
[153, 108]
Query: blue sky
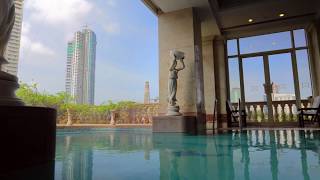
[127, 49]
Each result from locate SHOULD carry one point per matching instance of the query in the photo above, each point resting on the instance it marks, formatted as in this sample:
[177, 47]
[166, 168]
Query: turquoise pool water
[139, 154]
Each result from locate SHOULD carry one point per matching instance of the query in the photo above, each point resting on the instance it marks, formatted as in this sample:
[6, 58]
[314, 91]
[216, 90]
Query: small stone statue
[8, 82]
[173, 108]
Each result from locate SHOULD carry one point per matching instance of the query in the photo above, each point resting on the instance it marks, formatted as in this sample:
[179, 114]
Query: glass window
[304, 73]
[281, 76]
[299, 38]
[267, 42]
[232, 47]
[234, 80]
[254, 81]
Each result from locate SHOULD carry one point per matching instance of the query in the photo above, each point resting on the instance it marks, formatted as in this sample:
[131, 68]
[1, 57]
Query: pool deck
[272, 128]
[77, 126]
[211, 131]
[80, 126]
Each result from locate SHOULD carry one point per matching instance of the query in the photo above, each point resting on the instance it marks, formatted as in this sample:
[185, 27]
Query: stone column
[69, 117]
[181, 30]
[221, 79]
[209, 81]
[176, 31]
[146, 93]
[313, 33]
[113, 117]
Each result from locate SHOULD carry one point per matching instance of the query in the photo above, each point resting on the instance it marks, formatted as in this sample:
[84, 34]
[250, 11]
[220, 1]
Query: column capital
[219, 40]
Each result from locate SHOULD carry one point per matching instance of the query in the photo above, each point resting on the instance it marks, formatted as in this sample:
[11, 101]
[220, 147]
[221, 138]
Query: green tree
[63, 102]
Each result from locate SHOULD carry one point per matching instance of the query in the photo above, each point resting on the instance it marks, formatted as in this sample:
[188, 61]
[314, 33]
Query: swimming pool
[140, 154]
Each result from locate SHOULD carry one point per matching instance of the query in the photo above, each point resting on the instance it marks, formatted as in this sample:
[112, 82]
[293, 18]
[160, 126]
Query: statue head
[7, 13]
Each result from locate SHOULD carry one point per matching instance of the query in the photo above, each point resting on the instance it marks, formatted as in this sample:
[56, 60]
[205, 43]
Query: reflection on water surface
[139, 154]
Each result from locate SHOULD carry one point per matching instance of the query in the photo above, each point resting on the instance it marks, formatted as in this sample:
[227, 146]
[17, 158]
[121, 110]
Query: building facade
[80, 71]
[237, 49]
[13, 46]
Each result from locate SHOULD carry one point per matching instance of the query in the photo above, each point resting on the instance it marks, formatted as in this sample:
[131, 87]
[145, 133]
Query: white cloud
[112, 28]
[58, 11]
[28, 46]
[39, 48]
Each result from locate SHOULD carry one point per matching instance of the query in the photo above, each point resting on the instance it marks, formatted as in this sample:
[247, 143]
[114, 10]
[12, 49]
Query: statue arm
[183, 66]
[173, 65]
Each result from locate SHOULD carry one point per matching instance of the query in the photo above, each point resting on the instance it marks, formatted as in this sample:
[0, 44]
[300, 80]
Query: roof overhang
[229, 14]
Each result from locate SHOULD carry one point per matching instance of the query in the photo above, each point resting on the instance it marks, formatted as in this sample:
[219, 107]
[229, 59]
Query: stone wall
[138, 114]
[141, 114]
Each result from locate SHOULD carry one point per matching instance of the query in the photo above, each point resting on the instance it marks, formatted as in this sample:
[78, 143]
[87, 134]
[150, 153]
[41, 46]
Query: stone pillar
[200, 98]
[113, 117]
[181, 30]
[221, 79]
[69, 117]
[146, 93]
[176, 31]
[209, 81]
[313, 33]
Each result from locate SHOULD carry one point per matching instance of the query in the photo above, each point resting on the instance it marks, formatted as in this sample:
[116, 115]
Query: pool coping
[80, 126]
[149, 126]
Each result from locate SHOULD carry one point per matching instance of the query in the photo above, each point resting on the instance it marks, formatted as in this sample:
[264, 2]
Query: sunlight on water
[139, 154]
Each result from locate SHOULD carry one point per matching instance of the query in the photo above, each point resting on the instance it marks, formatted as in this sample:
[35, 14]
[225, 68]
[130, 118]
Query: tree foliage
[63, 102]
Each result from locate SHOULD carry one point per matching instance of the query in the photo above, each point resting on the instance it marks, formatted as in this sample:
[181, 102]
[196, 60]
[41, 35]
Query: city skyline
[127, 52]
[80, 71]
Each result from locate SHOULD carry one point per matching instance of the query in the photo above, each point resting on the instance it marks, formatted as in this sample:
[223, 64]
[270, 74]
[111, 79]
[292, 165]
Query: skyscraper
[80, 71]
[69, 67]
[13, 47]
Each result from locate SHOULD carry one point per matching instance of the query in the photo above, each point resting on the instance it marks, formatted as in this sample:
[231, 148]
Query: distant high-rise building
[13, 47]
[80, 71]
[146, 93]
[69, 67]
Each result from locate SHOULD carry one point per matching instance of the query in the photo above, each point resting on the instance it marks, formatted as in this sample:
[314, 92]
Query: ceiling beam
[154, 8]
[214, 7]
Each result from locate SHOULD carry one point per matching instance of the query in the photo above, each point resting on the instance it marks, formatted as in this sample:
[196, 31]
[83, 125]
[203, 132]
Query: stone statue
[8, 82]
[6, 24]
[173, 108]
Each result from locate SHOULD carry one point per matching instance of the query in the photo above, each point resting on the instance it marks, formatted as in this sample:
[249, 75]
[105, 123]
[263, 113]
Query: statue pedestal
[29, 135]
[9, 84]
[174, 124]
[173, 111]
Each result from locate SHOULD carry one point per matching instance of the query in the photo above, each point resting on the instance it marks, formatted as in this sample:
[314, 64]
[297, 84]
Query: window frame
[291, 50]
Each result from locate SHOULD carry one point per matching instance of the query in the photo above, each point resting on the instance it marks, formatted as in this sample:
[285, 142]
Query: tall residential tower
[80, 71]
[13, 47]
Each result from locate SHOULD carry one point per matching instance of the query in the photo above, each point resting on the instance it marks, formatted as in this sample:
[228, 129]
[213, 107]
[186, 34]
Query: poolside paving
[76, 126]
